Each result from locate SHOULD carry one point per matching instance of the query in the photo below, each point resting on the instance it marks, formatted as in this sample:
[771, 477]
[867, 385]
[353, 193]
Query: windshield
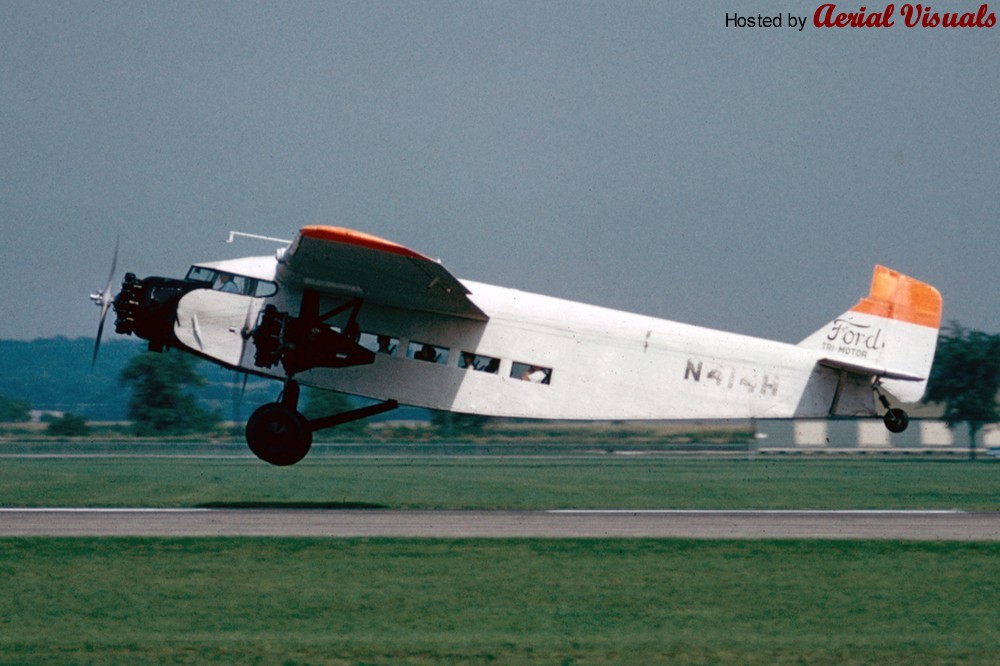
[232, 283]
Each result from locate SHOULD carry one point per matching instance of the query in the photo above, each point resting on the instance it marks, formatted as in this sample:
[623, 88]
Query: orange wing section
[897, 296]
[359, 239]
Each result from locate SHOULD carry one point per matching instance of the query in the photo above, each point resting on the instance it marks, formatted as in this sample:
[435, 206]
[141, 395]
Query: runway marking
[796, 512]
[906, 524]
[100, 509]
[709, 512]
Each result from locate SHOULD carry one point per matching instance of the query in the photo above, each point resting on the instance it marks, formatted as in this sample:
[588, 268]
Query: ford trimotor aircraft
[343, 310]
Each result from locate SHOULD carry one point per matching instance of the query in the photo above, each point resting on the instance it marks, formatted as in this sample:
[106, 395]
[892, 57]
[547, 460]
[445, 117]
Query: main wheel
[896, 420]
[278, 435]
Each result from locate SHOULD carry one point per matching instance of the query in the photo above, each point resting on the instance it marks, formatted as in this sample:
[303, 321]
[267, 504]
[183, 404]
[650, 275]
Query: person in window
[227, 284]
[385, 345]
[535, 374]
[426, 353]
[469, 361]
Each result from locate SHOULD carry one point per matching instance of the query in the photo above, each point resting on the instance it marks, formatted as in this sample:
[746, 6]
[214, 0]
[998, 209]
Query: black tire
[896, 420]
[278, 435]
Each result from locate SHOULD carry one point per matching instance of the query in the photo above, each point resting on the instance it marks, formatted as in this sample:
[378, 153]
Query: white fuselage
[601, 363]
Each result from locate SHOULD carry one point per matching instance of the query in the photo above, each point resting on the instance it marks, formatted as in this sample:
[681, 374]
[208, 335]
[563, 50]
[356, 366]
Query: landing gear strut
[895, 419]
[278, 434]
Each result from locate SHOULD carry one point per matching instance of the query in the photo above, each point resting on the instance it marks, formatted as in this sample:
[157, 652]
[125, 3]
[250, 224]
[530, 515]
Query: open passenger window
[380, 344]
[531, 373]
[423, 351]
[478, 362]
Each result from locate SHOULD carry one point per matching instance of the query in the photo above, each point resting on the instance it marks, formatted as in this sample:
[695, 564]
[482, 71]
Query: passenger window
[531, 373]
[427, 352]
[380, 344]
[473, 361]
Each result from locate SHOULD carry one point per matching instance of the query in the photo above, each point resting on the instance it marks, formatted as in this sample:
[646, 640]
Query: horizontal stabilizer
[885, 373]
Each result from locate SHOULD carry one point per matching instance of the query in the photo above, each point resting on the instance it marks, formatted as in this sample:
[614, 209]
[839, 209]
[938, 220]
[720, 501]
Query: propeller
[104, 299]
[246, 333]
[238, 392]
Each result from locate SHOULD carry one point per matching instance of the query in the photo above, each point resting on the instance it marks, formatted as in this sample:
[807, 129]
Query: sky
[642, 156]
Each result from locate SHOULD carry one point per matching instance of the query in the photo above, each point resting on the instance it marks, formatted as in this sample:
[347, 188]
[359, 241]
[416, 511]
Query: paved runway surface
[904, 525]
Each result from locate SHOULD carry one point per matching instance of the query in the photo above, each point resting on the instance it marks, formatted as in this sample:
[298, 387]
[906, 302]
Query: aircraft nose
[130, 306]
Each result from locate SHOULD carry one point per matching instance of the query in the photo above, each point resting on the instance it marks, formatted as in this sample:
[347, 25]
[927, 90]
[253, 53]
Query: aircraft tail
[890, 334]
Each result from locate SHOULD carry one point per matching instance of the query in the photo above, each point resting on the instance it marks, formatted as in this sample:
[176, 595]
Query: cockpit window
[263, 288]
[230, 284]
[227, 282]
[200, 274]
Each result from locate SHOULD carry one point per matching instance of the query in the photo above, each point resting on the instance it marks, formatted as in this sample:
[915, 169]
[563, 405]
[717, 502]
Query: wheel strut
[290, 395]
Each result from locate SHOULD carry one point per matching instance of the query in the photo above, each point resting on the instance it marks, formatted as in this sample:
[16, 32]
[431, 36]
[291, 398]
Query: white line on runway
[850, 512]
[99, 509]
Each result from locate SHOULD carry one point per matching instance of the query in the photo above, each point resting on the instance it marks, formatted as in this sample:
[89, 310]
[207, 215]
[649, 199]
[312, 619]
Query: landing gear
[895, 419]
[278, 434]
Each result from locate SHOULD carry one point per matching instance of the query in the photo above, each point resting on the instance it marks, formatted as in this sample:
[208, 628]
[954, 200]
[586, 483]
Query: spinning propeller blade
[104, 299]
[238, 392]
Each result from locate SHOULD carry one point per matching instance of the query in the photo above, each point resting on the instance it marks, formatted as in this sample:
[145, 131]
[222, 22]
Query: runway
[278, 522]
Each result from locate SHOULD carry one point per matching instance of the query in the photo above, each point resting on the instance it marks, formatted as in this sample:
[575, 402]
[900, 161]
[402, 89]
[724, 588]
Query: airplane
[347, 311]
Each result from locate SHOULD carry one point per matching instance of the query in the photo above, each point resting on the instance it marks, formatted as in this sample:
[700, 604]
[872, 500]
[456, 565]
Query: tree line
[965, 378]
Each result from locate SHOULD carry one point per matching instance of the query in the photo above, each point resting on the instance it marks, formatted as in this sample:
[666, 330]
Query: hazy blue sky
[636, 155]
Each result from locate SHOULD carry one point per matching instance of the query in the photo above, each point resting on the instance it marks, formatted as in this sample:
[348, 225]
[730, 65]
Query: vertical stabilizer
[890, 334]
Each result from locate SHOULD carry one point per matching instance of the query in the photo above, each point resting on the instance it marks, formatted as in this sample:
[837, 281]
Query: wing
[351, 263]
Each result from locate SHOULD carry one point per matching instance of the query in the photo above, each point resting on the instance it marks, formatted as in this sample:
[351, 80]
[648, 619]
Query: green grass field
[355, 601]
[649, 482]
[509, 601]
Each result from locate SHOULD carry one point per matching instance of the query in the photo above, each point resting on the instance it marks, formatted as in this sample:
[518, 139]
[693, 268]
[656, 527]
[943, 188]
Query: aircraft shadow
[290, 505]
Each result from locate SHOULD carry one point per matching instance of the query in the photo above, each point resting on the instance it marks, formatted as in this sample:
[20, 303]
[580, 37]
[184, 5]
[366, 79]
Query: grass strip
[506, 483]
[511, 601]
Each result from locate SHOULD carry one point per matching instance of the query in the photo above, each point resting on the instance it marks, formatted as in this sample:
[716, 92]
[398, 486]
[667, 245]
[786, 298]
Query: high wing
[344, 262]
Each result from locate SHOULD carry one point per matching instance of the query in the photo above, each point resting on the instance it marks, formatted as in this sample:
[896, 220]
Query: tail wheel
[896, 420]
[278, 434]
